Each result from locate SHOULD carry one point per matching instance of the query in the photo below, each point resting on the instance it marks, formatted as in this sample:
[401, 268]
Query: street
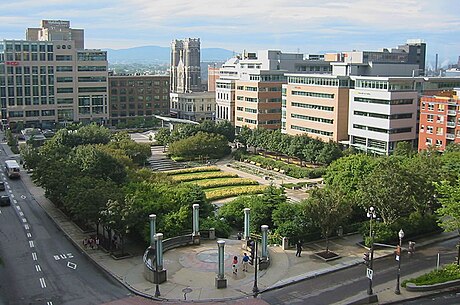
[40, 265]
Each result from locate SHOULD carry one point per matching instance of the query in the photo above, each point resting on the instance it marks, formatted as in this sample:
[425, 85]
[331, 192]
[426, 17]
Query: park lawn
[222, 182]
[233, 191]
[200, 169]
[201, 176]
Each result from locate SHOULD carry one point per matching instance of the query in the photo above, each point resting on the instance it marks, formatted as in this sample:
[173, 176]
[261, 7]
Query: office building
[44, 82]
[137, 96]
[57, 30]
[439, 120]
[248, 91]
[316, 105]
[193, 106]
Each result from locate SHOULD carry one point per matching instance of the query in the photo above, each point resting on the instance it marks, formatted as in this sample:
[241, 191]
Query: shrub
[449, 272]
[213, 183]
[199, 176]
[193, 170]
[199, 145]
[214, 194]
[222, 228]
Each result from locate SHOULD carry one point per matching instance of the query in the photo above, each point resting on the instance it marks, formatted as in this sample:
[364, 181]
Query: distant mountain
[156, 54]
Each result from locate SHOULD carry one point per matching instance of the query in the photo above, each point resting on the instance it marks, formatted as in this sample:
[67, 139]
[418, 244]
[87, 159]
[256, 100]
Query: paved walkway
[195, 267]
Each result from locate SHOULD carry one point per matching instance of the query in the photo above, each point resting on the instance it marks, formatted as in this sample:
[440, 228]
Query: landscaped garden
[447, 273]
[215, 183]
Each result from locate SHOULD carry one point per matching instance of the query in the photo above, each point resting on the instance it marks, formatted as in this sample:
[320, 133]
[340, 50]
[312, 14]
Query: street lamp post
[398, 256]
[255, 289]
[371, 215]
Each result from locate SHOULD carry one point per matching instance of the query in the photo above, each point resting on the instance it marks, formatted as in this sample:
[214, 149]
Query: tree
[388, 189]
[331, 151]
[404, 149]
[226, 129]
[449, 212]
[163, 137]
[263, 206]
[289, 221]
[244, 136]
[327, 208]
[201, 144]
[137, 152]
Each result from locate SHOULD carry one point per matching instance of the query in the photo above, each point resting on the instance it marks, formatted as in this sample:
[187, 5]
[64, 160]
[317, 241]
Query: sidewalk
[195, 267]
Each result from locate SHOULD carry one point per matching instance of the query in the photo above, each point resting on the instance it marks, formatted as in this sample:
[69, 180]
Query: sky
[305, 26]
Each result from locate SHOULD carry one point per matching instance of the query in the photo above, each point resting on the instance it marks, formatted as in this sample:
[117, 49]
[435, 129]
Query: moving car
[2, 186]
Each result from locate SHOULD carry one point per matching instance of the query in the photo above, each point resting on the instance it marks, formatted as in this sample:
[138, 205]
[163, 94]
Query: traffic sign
[369, 273]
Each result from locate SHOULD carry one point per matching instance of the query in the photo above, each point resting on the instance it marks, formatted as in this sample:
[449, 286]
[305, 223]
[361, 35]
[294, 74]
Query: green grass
[192, 170]
[233, 191]
[201, 176]
[449, 272]
[221, 182]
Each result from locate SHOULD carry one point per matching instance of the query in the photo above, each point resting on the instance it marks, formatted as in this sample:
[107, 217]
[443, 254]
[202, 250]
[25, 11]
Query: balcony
[451, 124]
[450, 136]
[452, 112]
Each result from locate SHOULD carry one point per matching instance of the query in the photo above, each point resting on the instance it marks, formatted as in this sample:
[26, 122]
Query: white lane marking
[18, 207]
[69, 255]
[15, 201]
[7, 186]
[23, 197]
[0, 212]
[42, 282]
[24, 220]
[34, 256]
[72, 265]
[56, 257]
[49, 303]
[38, 268]
[63, 256]
[12, 196]
[31, 243]
[26, 227]
[29, 235]
[21, 214]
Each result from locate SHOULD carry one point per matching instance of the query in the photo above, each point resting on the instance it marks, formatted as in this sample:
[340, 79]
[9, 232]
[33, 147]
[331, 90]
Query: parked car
[2, 186]
[5, 200]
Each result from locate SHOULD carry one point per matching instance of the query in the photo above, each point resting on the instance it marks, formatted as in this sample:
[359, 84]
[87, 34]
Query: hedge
[449, 272]
[212, 183]
[193, 170]
[220, 193]
[200, 176]
[289, 169]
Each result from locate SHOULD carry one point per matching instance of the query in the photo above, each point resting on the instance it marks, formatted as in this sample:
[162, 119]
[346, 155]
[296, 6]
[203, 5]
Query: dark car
[5, 200]
[2, 186]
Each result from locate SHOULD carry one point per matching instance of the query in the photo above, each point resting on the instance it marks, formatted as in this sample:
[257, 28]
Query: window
[438, 143]
[313, 94]
[429, 129]
[63, 57]
[64, 90]
[441, 107]
[64, 69]
[439, 130]
[430, 118]
[429, 141]
[430, 106]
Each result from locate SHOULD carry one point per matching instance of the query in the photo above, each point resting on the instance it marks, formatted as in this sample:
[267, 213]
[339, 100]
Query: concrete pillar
[159, 250]
[153, 228]
[196, 228]
[221, 281]
[246, 234]
[264, 229]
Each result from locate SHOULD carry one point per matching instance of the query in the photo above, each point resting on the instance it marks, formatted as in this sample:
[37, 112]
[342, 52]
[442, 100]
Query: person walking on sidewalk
[235, 265]
[299, 248]
[245, 262]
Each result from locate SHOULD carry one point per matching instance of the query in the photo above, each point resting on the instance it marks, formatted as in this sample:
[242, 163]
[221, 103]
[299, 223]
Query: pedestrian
[235, 265]
[85, 242]
[245, 262]
[299, 248]
[91, 242]
[97, 242]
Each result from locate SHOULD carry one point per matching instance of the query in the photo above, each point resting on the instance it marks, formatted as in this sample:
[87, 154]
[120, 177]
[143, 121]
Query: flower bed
[232, 191]
[193, 170]
[200, 176]
[213, 183]
[449, 272]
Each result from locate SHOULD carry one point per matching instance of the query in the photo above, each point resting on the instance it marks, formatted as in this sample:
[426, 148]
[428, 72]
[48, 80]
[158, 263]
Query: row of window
[138, 83]
[27, 101]
[26, 70]
[384, 102]
[313, 131]
[397, 116]
[312, 106]
[133, 114]
[31, 113]
[311, 118]
[25, 47]
[27, 91]
[82, 89]
[319, 81]
[313, 94]
[34, 56]
[116, 107]
[383, 130]
[133, 98]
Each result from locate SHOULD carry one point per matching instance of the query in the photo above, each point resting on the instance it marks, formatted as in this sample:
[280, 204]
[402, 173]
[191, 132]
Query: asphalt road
[40, 265]
[338, 286]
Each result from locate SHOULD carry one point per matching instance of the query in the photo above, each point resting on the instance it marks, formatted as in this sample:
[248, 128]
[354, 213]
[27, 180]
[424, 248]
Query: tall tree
[449, 212]
[327, 208]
